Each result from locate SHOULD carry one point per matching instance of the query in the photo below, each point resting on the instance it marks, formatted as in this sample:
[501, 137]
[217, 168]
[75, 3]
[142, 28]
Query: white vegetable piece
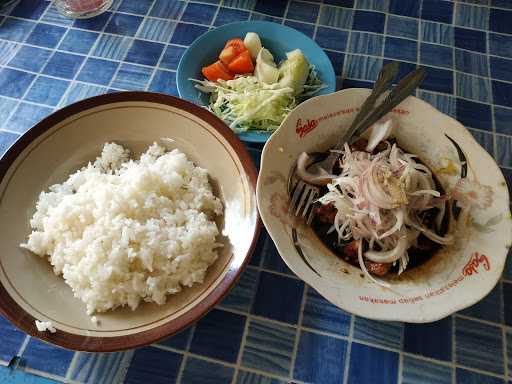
[266, 70]
[391, 255]
[294, 71]
[43, 326]
[380, 132]
[253, 43]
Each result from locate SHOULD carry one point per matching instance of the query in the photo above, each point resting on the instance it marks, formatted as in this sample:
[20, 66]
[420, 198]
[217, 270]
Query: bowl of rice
[124, 218]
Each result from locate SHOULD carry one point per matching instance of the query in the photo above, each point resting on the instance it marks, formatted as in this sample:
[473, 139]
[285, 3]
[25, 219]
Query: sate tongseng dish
[384, 210]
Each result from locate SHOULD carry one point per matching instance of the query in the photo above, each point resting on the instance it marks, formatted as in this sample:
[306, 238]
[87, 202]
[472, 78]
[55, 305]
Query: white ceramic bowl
[455, 277]
[70, 138]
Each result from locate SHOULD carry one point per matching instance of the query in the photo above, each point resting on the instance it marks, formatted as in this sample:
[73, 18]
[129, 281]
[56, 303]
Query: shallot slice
[379, 132]
[391, 255]
[399, 215]
[381, 198]
[365, 271]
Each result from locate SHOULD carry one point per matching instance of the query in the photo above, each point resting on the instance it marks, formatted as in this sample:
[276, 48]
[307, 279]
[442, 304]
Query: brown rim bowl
[67, 140]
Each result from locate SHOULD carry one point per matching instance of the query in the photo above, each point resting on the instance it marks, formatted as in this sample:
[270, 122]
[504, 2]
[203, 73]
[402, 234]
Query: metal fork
[304, 194]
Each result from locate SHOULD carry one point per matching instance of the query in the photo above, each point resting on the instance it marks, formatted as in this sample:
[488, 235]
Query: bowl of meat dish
[124, 218]
[414, 223]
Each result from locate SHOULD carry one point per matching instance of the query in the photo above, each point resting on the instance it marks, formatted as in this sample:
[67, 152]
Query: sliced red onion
[399, 215]
[303, 161]
[425, 192]
[440, 216]
[365, 271]
[403, 261]
[377, 195]
[391, 255]
[444, 240]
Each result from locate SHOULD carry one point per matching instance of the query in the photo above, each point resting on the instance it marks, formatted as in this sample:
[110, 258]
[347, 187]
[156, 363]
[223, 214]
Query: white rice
[121, 231]
[43, 326]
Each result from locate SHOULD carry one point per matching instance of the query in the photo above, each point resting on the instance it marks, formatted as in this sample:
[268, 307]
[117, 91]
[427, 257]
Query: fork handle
[402, 90]
[386, 75]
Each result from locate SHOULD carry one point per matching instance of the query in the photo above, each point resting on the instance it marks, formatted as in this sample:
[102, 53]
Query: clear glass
[82, 9]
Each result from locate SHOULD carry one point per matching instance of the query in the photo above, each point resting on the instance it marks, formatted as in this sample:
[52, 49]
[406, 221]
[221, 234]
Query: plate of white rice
[123, 219]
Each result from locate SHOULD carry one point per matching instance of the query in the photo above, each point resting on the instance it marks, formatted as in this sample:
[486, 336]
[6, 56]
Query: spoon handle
[386, 75]
[395, 97]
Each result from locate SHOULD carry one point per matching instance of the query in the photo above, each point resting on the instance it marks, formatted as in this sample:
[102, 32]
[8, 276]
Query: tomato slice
[228, 54]
[217, 71]
[237, 44]
[242, 64]
[232, 49]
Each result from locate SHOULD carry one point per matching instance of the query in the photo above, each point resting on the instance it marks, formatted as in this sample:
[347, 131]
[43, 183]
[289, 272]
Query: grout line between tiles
[505, 353]
[346, 57]
[491, 101]
[241, 350]
[401, 356]
[455, 73]
[298, 332]
[482, 321]
[262, 269]
[185, 353]
[385, 35]
[400, 368]
[23, 346]
[285, 13]
[350, 339]
[124, 366]
[71, 366]
[246, 326]
[47, 375]
[317, 21]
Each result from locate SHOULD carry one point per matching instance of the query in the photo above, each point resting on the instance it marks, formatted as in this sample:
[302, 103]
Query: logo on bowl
[476, 260]
[474, 263]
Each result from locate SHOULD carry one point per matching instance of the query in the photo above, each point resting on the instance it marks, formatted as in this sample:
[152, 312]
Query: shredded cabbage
[245, 103]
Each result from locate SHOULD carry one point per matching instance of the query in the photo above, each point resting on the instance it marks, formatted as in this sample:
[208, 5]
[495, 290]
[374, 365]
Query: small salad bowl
[456, 276]
[277, 38]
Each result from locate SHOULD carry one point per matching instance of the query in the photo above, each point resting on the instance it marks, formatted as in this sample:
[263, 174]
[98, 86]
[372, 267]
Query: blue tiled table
[255, 336]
